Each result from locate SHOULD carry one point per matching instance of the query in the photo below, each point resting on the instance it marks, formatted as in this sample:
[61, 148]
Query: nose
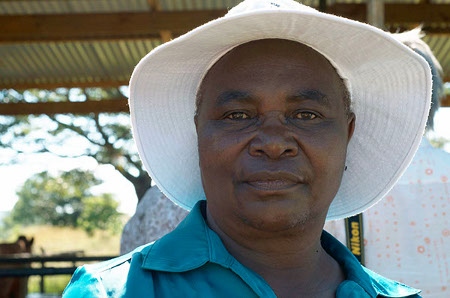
[274, 139]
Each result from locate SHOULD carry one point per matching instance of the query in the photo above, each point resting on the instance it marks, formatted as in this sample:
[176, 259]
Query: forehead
[265, 63]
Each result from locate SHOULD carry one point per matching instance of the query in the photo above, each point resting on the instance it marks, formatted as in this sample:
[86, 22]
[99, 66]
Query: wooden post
[375, 13]
[166, 35]
[323, 5]
[41, 283]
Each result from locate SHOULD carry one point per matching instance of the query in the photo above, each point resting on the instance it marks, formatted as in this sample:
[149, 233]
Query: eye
[237, 116]
[305, 115]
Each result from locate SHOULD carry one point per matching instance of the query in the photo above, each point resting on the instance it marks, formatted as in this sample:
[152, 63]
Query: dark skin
[273, 132]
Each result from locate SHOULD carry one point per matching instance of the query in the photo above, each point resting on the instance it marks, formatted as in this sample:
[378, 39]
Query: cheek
[219, 162]
[331, 141]
[327, 153]
[216, 162]
[219, 149]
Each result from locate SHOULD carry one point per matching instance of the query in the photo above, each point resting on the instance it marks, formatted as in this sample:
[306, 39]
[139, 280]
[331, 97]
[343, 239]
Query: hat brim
[389, 84]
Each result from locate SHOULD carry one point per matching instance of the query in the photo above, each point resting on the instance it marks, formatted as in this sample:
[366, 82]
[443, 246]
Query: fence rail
[8, 268]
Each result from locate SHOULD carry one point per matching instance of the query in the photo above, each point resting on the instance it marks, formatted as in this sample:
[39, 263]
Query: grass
[54, 240]
[52, 284]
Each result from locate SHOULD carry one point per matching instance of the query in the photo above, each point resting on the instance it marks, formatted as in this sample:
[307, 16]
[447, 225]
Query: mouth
[271, 185]
[273, 181]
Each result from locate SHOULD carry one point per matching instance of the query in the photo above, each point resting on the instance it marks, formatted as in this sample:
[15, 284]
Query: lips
[270, 185]
[273, 181]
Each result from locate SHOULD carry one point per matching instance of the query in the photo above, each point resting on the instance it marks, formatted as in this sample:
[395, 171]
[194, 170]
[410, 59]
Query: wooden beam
[397, 12]
[418, 13]
[51, 108]
[64, 84]
[100, 26]
[106, 84]
[132, 25]
[86, 107]
[401, 13]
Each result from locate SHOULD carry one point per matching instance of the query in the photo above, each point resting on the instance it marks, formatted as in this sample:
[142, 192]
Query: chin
[272, 219]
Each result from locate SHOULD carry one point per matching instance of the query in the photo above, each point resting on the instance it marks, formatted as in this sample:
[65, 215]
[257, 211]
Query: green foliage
[8, 230]
[439, 142]
[65, 200]
[95, 212]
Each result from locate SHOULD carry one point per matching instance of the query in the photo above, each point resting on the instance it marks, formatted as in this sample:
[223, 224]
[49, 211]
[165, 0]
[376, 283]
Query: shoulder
[390, 288]
[110, 278]
[104, 279]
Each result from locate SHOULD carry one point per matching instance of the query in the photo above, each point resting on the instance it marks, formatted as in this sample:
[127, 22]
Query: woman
[265, 123]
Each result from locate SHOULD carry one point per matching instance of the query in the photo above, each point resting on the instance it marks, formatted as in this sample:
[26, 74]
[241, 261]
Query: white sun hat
[390, 88]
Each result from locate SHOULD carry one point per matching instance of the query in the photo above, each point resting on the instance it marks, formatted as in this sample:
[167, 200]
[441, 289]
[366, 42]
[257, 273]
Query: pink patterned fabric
[407, 234]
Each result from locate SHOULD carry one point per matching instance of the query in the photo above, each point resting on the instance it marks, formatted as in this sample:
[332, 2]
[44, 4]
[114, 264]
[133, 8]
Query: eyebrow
[243, 96]
[311, 94]
[232, 95]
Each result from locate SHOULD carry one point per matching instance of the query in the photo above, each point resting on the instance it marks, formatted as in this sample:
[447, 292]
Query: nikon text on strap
[355, 236]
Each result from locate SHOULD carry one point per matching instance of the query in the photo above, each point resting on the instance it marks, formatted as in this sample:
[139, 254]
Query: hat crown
[252, 5]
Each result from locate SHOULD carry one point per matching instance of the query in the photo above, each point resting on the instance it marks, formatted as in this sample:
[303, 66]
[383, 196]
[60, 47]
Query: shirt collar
[358, 276]
[202, 245]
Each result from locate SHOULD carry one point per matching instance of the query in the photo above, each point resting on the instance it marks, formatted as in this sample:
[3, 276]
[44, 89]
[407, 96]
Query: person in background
[406, 236]
[265, 123]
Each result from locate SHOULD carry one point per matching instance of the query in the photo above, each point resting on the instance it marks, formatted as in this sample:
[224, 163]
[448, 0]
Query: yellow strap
[355, 236]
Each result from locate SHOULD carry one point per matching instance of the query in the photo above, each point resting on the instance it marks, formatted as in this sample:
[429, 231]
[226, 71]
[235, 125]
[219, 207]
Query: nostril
[273, 148]
[273, 138]
[290, 152]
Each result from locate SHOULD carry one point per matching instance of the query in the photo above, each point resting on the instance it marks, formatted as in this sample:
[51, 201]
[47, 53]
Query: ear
[351, 125]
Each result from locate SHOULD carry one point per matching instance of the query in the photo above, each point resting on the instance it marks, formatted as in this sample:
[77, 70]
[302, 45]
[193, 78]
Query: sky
[12, 177]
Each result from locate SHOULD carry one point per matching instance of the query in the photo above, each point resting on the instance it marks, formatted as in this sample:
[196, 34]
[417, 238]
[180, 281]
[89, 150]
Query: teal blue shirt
[192, 261]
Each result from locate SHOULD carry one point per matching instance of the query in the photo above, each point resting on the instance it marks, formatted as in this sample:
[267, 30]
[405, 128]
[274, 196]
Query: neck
[291, 262]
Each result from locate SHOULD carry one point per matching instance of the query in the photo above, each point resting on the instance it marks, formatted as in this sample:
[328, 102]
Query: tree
[65, 200]
[105, 137]
[439, 142]
[96, 208]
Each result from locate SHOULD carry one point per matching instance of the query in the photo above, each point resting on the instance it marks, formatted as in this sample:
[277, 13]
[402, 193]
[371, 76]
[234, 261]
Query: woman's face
[272, 133]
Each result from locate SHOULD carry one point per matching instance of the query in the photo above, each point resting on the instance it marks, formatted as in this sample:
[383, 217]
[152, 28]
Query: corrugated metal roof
[56, 63]
[197, 4]
[440, 45]
[91, 62]
[71, 6]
